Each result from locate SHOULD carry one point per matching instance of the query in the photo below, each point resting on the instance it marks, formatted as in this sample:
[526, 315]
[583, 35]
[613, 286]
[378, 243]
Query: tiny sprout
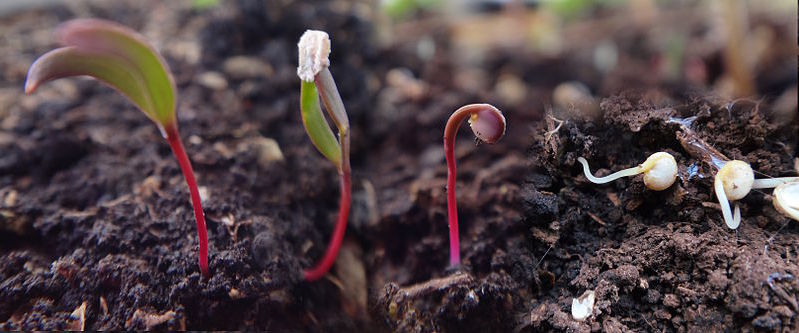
[734, 181]
[121, 58]
[488, 125]
[660, 171]
[317, 81]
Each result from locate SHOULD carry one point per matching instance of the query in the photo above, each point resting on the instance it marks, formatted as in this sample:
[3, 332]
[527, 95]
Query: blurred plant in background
[727, 48]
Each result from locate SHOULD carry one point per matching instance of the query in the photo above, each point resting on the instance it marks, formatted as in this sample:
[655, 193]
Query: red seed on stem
[488, 125]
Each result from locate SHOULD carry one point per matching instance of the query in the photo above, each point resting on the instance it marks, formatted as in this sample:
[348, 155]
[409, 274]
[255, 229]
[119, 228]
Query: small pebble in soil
[539, 204]
[212, 80]
[267, 149]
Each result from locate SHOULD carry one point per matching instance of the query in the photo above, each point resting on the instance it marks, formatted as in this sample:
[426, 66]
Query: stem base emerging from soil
[318, 271]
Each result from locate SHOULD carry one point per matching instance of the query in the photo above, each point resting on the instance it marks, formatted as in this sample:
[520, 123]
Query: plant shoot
[488, 125]
[734, 181]
[317, 81]
[660, 171]
[121, 58]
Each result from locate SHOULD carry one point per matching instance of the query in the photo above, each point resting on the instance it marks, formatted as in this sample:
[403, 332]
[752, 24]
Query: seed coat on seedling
[317, 82]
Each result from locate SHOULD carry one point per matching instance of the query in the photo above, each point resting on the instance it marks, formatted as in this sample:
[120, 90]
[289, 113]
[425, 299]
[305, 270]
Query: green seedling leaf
[115, 55]
[316, 126]
[121, 58]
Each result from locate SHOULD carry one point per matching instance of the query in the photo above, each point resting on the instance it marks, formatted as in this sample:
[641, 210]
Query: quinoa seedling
[121, 58]
[660, 171]
[734, 181]
[488, 125]
[317, 81]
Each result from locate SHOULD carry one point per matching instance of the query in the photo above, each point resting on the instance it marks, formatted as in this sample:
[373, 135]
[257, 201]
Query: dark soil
[95, 212]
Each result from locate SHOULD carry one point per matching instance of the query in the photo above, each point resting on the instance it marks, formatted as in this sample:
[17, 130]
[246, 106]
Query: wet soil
[97, 230]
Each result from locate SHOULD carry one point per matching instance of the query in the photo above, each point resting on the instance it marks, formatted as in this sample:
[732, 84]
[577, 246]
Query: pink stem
[173, 137]
[452, 204]
[331, 253]
[450, 131]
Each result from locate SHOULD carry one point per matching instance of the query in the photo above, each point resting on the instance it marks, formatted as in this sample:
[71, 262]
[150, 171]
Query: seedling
[734, 181]
[488, 125]
[121, 58]
[314, 49]
[660, 171]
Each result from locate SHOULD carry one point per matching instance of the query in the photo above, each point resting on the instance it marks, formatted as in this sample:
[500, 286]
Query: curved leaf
[316, 126]
[71, 61]
[116, 55]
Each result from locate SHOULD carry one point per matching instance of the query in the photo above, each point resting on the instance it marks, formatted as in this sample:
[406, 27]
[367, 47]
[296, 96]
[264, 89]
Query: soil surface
[97, 230]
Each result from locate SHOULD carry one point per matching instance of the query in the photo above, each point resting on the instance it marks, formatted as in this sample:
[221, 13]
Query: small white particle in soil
[583, 307]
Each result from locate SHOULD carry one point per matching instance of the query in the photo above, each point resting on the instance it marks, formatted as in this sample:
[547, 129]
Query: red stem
[452, 204]
[490, 131]
[450, 131]
[173, 137]
[331, 253]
